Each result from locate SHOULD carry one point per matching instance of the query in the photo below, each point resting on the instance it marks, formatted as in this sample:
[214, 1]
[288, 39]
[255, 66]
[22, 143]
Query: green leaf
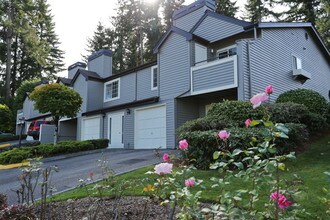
[281, 166]
[239, 165]
[236, 152]
[216, 155]
[282, 128]
[268, 124]
[254, 123]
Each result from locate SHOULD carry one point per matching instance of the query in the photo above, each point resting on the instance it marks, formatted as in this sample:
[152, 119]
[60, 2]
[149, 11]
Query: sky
[76, 20]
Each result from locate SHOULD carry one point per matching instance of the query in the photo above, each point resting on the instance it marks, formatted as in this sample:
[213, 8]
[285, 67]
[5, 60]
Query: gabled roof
[220, 17]
[176, 30]
[193, 7]
[293, 25]
[89, 75]
[65, 81]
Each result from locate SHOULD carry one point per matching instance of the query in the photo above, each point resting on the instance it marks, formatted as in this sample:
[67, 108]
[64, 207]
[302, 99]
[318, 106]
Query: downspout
[249, 68]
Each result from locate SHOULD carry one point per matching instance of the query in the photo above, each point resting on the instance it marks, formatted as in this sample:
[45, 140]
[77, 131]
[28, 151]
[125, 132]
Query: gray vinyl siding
[214, 76]
[28, 109]
[174, 67]
[187, 22]
[144, 85]
[127, 91]
[80, 86]
[213, 29]
[186, 110]
[271, 62]
[243, 70]
[95, 95]
[102, 65]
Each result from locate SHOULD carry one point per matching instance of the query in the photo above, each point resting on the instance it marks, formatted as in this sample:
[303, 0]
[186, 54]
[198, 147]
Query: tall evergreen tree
[226, 7]
[102, 39]
[259, 10]
[32, 47]
[323, 22]
[302, 10]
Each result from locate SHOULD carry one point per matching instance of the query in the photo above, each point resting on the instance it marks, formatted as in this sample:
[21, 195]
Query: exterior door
[115, 130]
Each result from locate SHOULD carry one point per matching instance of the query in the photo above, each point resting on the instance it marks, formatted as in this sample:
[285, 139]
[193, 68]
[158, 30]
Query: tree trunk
[9, 35]
[56, 121]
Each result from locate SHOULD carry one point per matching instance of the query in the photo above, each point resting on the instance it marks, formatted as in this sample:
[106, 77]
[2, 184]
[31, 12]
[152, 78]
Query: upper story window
[111, 90]
[296, 63]
[226, 52]
[154, 77]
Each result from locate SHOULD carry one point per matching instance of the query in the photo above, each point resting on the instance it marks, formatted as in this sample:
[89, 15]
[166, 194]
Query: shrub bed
[18, 155]
[314, 101]
[202, 144]
[236, 111]
[11, 138]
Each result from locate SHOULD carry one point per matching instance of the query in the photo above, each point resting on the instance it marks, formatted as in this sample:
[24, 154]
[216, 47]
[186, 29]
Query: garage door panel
[91, 128]
[150, 128]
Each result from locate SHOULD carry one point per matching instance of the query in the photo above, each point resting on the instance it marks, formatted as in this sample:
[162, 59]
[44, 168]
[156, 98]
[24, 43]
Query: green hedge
[202, 144]
[17, 155]
[314, 101]
[11, 138]
[289, 112]
[236, 111]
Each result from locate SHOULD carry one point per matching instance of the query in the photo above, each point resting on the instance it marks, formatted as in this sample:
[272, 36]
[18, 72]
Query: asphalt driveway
[80, 165]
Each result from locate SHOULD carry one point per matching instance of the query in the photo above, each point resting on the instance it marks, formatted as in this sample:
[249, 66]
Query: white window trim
[152, 78]
[298, 62]
[105, 92]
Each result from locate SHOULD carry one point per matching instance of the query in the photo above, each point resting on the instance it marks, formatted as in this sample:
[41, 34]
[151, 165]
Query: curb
[14, 165]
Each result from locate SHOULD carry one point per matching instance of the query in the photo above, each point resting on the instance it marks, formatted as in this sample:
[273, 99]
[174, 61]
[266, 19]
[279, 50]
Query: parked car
[34, 128]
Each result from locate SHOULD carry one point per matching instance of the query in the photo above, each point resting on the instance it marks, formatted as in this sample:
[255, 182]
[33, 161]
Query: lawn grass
[309, 166]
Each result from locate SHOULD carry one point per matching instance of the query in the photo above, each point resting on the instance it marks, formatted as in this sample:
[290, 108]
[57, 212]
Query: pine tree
[32, 47]
[259, 10]
[302, 10]
[226, 7]
[323, 22]
[102, 39]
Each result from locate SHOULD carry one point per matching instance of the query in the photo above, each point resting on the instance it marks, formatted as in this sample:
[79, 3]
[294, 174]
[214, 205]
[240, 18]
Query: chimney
[101, 63]
[74, 68]
[185, 17]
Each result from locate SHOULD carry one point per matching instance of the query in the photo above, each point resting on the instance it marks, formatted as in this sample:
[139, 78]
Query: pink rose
[269, 89]
[163, 168]
[248, 122]
[282, 201]
[223, 135]
[189, 182]
[166, 157]
[183, 144]
[258, 99]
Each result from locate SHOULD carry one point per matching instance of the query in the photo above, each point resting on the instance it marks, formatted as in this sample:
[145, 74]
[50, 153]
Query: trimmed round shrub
[237, 111]
[298, 136]
[314, 101]
[315, 122]
[287, 112]
[16, 155]
[207, 123]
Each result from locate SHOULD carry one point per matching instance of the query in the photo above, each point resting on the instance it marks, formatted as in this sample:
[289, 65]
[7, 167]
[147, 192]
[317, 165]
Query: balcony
[214, 76]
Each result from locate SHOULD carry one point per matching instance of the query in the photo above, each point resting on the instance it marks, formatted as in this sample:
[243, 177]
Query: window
[296, 63]
[154, 77]
[226, 52]
[111, 90]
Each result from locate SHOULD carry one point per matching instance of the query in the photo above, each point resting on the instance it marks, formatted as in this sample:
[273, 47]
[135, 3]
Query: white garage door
[150, 128]
[91, 128]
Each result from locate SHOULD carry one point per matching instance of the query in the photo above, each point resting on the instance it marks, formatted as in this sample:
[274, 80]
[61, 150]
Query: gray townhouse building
[203, 58]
